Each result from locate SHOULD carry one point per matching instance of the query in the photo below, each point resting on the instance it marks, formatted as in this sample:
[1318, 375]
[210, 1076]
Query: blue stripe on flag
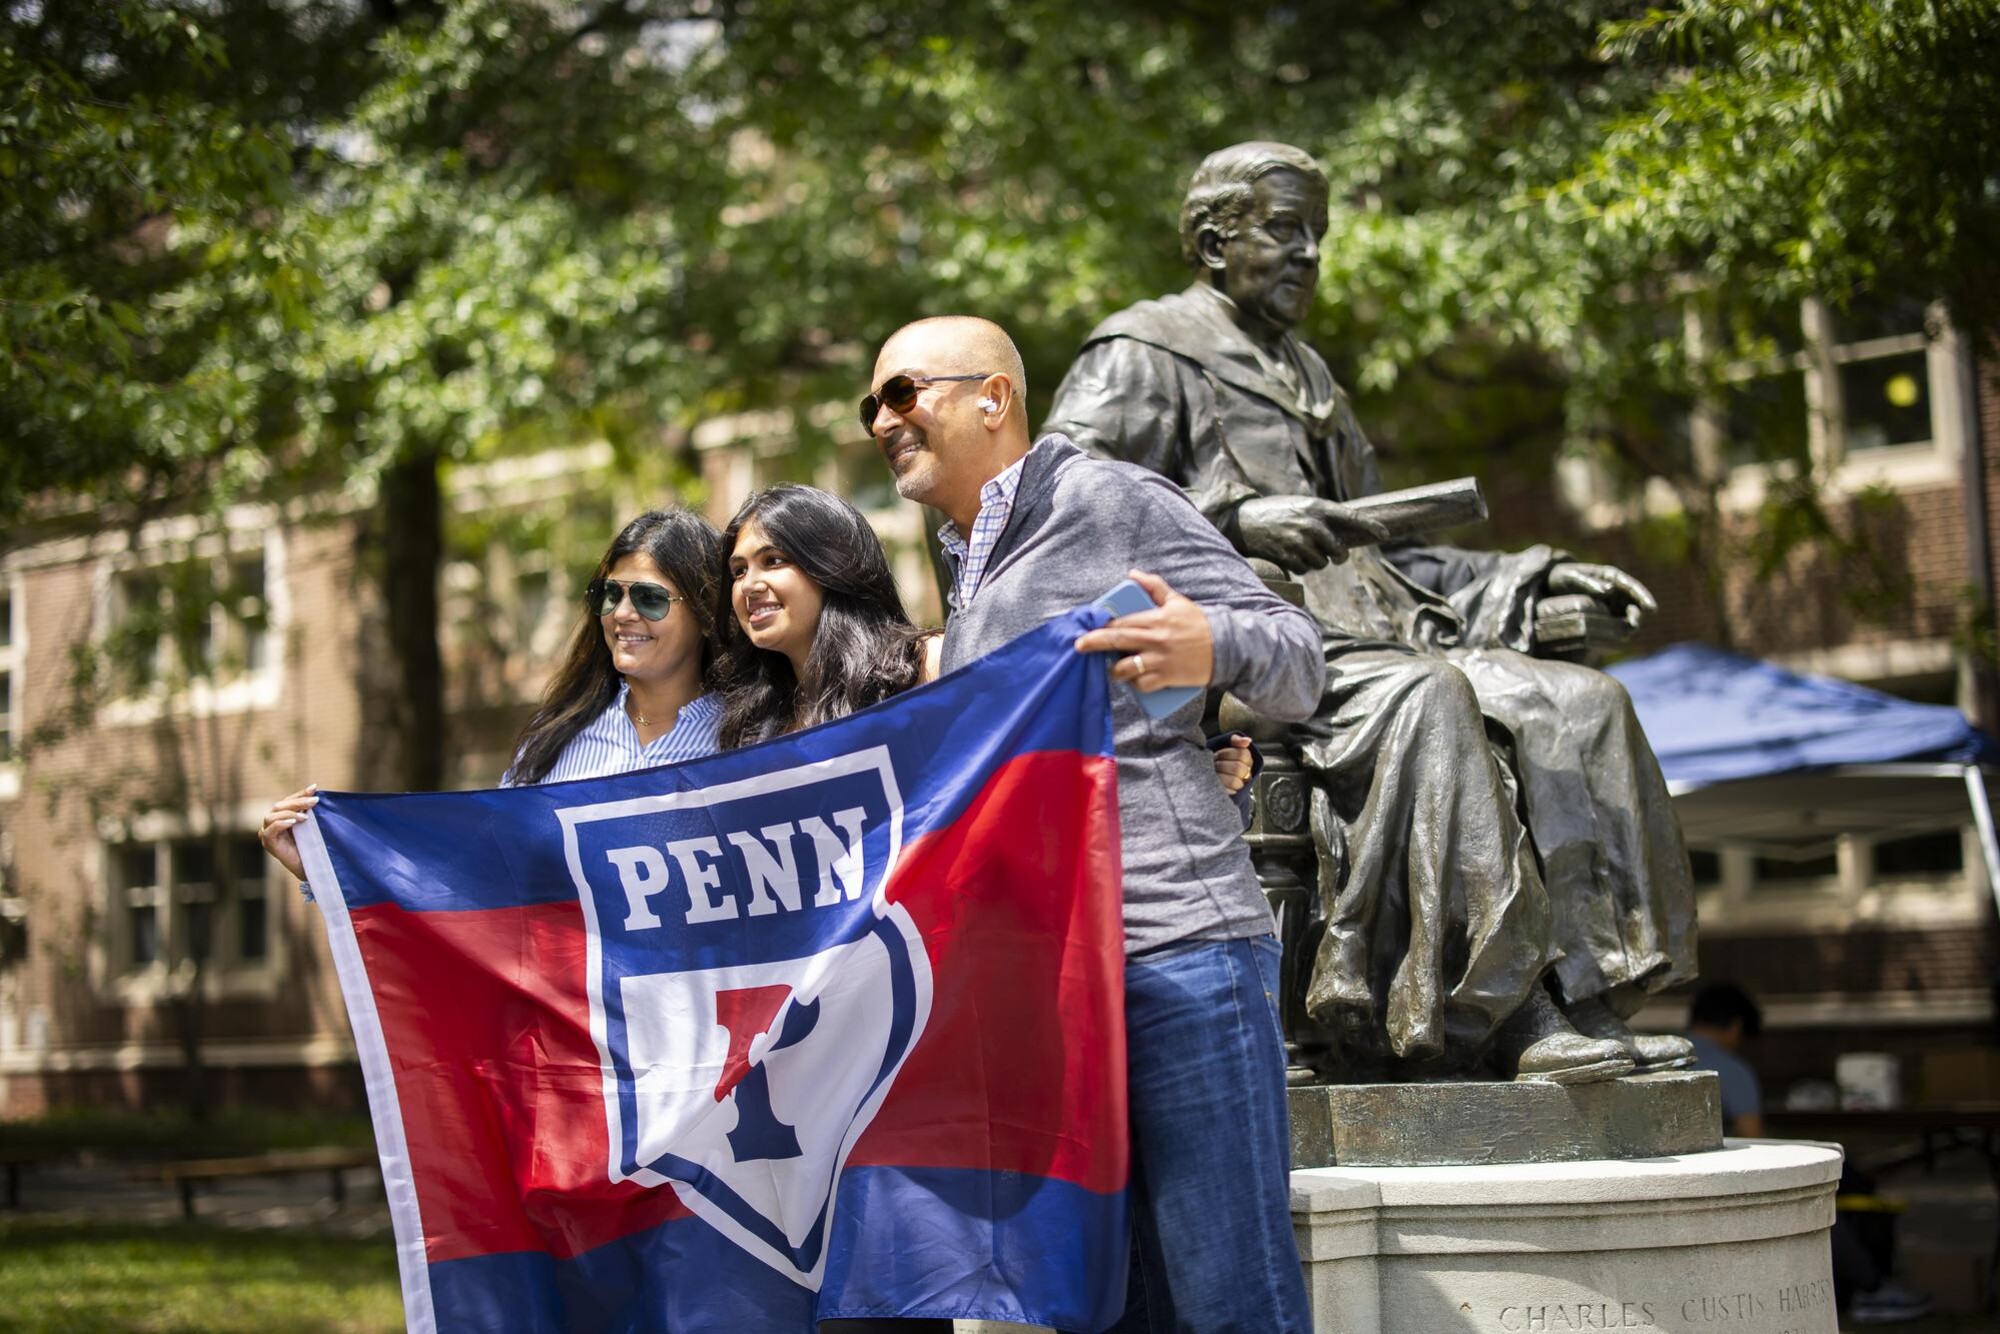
[923, 1233]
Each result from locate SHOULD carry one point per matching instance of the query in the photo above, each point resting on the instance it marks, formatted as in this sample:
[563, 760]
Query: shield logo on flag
[752, 992]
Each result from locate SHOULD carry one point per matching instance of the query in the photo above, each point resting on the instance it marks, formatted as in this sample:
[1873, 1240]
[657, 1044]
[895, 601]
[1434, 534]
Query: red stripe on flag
[488, 1028]
[1021, 1067]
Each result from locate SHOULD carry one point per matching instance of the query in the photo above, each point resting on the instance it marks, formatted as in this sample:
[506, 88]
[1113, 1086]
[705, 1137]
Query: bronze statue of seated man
[1514, 880]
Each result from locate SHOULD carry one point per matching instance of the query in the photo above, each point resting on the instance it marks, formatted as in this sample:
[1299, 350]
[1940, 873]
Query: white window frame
[227, 974]
[250, 533]
[1587, 487]
[1925, 463]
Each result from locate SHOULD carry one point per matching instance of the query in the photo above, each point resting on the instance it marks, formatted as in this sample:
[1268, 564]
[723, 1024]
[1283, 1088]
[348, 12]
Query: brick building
[129, 847]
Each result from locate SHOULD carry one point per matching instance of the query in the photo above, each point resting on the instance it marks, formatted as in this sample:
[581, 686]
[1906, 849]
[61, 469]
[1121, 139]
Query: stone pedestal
[1732, 1240]
[1427, 1125]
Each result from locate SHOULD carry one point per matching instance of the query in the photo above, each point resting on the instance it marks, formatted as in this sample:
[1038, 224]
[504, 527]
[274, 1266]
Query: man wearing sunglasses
[1036, 528]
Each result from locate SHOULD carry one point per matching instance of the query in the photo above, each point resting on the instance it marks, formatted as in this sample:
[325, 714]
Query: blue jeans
[1211, 1143]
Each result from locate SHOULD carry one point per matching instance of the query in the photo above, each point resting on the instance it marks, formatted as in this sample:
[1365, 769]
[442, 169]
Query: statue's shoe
[1538, 1043]
[1649, 1051]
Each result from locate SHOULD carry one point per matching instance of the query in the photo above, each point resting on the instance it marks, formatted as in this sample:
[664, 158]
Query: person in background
[1720, 1019]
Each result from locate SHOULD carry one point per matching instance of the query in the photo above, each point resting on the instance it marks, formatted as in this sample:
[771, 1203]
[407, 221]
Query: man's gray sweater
[1078, 525]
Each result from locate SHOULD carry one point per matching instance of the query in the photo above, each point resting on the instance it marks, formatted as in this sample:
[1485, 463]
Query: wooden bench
[186, 1175]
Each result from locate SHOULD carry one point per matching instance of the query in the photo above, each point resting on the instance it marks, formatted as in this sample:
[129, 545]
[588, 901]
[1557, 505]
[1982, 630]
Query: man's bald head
[959, 433]
[953, 345]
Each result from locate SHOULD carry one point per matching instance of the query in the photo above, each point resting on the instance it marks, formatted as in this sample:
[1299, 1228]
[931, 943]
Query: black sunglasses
[899, 394]
[650, 600]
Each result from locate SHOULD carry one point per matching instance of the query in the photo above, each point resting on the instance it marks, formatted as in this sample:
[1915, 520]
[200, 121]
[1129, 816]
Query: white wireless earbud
[988, 405]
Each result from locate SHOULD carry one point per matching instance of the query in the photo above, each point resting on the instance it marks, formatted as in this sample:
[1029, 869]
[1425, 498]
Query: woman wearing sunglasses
[633, 689]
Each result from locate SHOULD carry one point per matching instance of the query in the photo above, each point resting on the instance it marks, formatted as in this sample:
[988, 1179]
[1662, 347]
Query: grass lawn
[192, 1277]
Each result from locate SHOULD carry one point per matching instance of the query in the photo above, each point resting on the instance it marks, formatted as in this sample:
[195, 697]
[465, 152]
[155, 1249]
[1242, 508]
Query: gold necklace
[632, 708]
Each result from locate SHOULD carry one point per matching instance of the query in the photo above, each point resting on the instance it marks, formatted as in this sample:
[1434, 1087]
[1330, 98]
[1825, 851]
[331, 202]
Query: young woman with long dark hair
[633, 690]
[813, 627]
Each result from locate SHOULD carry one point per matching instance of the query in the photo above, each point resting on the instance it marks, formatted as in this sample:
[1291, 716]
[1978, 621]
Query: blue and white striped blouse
[609, 744]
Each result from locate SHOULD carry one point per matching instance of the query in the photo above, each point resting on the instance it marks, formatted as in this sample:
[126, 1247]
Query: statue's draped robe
[1437, 732]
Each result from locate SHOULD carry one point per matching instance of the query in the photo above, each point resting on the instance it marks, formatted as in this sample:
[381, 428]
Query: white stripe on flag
[398, 1184]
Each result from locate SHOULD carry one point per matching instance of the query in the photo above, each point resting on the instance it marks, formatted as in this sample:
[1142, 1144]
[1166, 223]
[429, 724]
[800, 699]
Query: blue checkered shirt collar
[969, 558]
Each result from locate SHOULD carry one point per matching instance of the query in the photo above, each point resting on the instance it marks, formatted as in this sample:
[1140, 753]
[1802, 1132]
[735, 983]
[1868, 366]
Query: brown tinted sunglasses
[899, 394]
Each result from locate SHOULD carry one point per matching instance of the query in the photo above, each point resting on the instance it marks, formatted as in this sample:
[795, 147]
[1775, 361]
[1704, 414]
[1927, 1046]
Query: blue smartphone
[1125, 600]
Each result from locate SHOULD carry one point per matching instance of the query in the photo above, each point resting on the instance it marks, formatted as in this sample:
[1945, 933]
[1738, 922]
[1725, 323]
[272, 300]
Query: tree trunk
[189, 1020]
[413, 548]
[1709, 553]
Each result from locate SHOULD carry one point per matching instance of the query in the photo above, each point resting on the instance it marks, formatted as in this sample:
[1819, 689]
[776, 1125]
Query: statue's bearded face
[1270, 268]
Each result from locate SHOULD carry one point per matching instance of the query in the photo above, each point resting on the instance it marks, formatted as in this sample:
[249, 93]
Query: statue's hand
[1303, 532]
[1618, 590]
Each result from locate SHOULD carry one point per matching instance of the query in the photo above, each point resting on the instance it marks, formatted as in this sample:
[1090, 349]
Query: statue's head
[1251, 225]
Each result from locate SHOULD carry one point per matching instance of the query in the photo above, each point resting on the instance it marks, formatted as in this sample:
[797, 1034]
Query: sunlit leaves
[302, 234]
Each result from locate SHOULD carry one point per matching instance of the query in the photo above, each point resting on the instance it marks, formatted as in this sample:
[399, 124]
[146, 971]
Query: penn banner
[828, 1026]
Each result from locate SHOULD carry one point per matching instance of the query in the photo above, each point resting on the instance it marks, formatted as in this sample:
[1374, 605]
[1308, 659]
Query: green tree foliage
[253, 244]
[1808, 147]
[130, 258]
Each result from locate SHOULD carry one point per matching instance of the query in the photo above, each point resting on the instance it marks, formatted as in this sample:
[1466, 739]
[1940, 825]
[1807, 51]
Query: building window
[1808, 863]
[244, 614]
[13, 930]
[139, 881]
[1921, 855]
[1860, 396]
[174, 903]
[1819, 386]
[198, 620]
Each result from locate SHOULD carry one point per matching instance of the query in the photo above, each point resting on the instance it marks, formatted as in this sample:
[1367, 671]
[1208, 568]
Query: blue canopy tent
[1756, 754]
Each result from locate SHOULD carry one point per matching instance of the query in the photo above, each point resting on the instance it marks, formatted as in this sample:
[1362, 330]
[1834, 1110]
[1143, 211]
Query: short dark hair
[1220, 190]
[1720, 1004]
